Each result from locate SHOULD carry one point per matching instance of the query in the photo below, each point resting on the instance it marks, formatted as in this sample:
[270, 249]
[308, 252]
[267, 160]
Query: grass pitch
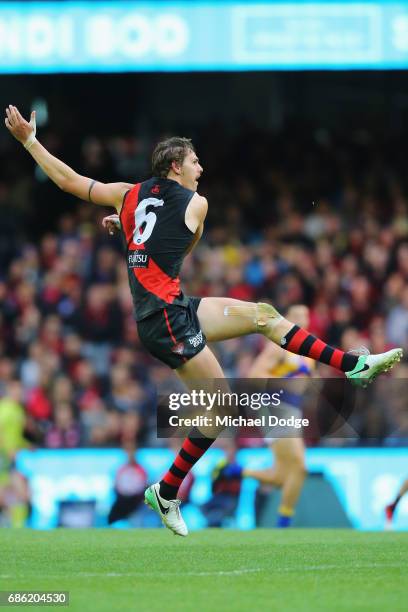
[149, 570]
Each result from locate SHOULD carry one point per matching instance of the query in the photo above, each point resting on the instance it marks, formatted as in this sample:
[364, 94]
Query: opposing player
[162, 220]
[390, 509]
[288, 472]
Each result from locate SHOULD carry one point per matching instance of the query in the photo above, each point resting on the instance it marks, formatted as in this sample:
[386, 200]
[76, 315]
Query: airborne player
[162, 220]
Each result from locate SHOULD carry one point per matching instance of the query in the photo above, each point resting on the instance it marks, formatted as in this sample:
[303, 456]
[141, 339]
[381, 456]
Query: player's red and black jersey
[153, 224]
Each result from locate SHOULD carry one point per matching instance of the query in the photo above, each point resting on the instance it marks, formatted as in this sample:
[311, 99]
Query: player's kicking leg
[162, 496]
[390, 509]
[220, 319]
[224, 318]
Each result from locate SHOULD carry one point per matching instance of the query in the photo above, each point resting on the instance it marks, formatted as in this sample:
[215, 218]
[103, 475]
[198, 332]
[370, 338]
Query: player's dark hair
[168, 151]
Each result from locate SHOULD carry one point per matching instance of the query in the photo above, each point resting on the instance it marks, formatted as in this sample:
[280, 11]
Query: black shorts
[173, 335]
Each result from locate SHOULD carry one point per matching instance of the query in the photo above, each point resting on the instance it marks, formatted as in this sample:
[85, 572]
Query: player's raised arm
[108, 194]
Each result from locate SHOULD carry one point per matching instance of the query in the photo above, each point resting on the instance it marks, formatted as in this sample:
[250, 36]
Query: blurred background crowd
[300, 211]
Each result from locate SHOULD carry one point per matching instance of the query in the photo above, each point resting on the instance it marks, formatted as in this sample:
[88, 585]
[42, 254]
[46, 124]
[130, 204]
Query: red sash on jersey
[152, 278]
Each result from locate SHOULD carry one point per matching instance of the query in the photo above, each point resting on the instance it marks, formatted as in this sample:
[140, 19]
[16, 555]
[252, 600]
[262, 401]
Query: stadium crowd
[295, 217]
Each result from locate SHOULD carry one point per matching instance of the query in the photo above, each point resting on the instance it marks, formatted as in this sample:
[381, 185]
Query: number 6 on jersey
[140, 236]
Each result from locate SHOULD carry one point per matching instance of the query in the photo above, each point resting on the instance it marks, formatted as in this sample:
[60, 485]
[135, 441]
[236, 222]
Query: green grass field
[210, 570]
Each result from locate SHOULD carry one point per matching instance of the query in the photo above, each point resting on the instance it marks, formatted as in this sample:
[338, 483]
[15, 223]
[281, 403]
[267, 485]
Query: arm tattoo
[91, 186]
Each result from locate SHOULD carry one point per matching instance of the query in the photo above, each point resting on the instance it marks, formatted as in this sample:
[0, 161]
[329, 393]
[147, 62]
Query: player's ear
[176, 167]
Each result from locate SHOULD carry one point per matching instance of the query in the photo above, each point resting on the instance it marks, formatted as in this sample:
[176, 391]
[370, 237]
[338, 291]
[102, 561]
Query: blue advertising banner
[364, 480]
[183, 36]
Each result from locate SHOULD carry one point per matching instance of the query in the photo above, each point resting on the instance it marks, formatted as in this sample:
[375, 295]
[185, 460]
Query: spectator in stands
[130, 485]
[64, 431]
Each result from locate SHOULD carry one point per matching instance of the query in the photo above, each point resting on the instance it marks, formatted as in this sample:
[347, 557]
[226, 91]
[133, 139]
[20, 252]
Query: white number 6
[139, 236]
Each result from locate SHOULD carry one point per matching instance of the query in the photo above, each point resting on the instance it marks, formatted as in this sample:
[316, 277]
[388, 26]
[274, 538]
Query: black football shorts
[173, 335]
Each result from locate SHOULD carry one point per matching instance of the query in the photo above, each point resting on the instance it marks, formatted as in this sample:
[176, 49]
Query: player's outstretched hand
[21, 129]
[111, 223]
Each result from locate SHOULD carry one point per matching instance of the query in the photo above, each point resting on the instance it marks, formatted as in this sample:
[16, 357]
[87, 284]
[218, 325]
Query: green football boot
[370, 366]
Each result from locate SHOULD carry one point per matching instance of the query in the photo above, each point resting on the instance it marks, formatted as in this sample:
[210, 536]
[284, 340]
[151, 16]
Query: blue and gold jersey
[292, 366]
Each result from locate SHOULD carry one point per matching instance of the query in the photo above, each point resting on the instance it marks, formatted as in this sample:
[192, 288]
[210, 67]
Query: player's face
[190, 171]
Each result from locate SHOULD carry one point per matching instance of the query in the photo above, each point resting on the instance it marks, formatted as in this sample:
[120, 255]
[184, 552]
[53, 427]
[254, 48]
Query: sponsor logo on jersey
[197, 339]
[178, 348]
[156, 189]
[137, 259]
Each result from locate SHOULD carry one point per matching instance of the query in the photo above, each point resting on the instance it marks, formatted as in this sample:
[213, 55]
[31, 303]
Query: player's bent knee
[275, 476]
[266, 317]
[279, 478]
